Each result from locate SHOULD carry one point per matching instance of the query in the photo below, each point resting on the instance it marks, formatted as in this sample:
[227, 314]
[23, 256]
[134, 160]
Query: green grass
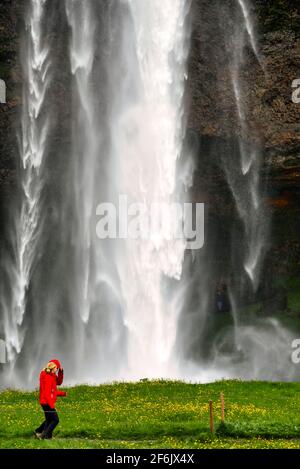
[159, 414]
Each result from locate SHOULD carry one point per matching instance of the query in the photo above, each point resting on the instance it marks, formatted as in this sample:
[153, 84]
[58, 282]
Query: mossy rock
[279, 15]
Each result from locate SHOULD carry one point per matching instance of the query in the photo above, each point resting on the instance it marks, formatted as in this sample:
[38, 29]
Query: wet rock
[275, 301]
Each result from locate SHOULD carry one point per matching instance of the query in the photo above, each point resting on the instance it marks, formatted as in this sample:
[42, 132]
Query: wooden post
[222, 408]
[211, 416]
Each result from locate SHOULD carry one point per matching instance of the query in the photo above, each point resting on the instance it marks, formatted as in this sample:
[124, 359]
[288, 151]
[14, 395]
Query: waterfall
[96, 323]
[127, 134]
[145, 128]
[82, 53]
[257, 347]
[147, 134]
[253, 212]
[132, 304]
[244, 180]
[249, 26]
[33, 147]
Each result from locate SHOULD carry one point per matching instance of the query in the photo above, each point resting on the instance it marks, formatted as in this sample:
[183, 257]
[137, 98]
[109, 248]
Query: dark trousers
[50, 423]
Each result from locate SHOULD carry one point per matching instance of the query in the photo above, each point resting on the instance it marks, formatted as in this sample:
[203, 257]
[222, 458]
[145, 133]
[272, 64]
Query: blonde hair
[50, 366]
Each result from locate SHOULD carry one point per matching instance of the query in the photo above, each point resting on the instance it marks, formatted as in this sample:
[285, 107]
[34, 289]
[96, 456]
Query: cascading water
[131, 308]
[82, 52]
[259, 347]
[234, 341]
[147, 134]
[33, 142]
[249, 27]
[246, 186]
[94, 297]
[119, 296]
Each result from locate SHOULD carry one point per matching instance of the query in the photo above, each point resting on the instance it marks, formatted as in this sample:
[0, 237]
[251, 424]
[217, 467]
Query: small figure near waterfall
[49, 381]
[221, 299]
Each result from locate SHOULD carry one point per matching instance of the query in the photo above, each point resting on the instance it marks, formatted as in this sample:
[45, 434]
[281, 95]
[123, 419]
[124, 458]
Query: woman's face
[54, 370]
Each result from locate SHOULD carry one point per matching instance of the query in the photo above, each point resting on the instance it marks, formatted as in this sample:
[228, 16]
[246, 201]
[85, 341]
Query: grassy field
[159, 414]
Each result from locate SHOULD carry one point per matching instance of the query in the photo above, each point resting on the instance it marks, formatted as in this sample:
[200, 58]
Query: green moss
[292, 285]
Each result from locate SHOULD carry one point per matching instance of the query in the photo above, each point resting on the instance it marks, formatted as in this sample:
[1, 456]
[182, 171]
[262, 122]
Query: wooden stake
[222, 408]
[211, 416]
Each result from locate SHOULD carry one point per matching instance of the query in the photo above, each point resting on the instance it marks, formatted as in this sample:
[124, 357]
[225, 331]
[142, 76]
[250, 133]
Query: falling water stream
[82, 52]
[258, 347]
[145, 158]
[32, 144]
[249, 202]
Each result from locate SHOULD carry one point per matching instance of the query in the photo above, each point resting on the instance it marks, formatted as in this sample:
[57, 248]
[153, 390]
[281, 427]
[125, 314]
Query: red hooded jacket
[48, 386]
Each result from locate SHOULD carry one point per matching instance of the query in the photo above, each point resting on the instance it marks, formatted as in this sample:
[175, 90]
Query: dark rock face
[274, 120]
[273, 115]
[9, 72]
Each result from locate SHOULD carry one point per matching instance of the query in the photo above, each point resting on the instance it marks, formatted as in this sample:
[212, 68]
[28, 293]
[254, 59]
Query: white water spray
[85, 133]
[249, 27]
[247, 194]
[33, 142]
[147, 133]
[259, 344]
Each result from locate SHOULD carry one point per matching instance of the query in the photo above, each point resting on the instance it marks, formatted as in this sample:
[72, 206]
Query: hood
[57, 363]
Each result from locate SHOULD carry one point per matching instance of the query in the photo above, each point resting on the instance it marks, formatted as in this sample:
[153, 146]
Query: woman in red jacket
[49, 381]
